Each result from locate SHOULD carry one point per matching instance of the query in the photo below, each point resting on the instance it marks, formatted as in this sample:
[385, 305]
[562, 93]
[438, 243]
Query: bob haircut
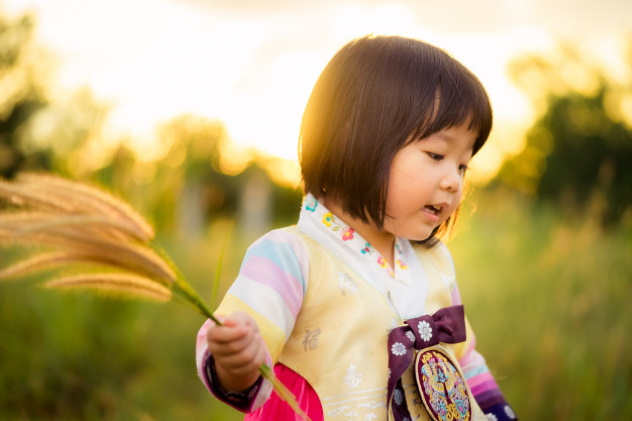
[375, 95]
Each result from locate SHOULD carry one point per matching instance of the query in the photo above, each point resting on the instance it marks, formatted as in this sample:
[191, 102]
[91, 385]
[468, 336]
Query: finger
[247, 359]
[236, 345]
[230, 331]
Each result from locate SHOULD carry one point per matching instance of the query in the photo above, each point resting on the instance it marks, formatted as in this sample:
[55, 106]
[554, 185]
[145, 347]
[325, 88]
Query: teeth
[434, 208]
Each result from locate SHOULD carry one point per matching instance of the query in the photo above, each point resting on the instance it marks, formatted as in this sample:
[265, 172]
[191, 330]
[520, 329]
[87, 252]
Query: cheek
[456, 201]
[402, 196]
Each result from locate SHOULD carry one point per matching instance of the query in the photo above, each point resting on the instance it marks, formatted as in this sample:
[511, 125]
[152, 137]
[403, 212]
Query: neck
[380, 240]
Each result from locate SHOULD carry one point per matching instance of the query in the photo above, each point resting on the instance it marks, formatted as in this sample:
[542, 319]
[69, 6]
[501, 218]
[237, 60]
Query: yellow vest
[339, 341]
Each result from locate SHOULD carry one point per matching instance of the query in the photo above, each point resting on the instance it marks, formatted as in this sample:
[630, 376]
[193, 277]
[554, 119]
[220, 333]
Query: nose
[451, 180]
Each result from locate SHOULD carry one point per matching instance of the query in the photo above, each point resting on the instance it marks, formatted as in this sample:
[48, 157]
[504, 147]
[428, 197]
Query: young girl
[356, 307]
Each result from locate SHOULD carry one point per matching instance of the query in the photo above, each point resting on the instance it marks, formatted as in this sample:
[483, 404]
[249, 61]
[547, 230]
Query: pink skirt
[275, 409]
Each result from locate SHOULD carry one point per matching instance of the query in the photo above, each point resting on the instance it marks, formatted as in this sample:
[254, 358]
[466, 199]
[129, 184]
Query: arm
[268, 292]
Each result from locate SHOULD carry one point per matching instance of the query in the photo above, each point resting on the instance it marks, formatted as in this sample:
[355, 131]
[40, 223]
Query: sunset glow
[152, 60]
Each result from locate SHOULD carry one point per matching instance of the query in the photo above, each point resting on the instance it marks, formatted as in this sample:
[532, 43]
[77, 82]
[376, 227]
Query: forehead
[461, 137]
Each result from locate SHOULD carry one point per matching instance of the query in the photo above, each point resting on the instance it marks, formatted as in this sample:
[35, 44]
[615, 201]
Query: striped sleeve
[270, 287]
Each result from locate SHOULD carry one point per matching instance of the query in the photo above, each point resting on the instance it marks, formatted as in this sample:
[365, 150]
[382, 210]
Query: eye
[463, 169]
[435, 156]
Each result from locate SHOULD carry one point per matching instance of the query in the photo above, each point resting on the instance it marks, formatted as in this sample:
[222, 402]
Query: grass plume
[69, 225]
[41, 262]
[116, 284]
[89, 200]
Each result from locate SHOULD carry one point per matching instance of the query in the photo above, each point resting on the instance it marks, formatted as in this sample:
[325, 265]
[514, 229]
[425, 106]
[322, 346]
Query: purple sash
[438, 378]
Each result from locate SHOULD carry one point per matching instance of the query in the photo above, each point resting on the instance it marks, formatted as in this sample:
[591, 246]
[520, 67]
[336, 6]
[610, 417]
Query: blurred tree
[67, 132]
[35, 132]
[20, 94]
[184, 185]
[578, 153]
[187, 186]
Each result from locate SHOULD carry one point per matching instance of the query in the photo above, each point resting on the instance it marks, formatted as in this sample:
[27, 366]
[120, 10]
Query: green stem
[190, 295]
[184, 288]
[180, 285]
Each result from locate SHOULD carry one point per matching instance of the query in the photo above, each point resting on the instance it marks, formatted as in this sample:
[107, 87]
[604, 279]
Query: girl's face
[426, 182]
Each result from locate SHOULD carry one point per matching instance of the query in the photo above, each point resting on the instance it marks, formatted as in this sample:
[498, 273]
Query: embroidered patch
[311, 203]
[310, 342]
[442, 386]
[425, 331]
[401, 264]
[348, 234]
[346, 285]
[353, 377]
[398, 349]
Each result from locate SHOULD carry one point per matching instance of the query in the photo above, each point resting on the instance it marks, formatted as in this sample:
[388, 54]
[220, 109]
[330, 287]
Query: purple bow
[446, 325]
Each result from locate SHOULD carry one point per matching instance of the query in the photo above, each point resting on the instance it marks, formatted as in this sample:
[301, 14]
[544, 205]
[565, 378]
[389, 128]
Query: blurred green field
[547, 295]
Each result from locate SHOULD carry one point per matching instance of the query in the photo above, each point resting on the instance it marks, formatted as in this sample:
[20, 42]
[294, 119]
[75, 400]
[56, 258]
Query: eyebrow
[445, 136]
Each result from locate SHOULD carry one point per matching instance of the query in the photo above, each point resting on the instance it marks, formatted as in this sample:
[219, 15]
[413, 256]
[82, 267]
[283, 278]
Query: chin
[420, 237]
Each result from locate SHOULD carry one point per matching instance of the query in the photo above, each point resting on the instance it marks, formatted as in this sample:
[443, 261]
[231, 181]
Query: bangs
[460, 98]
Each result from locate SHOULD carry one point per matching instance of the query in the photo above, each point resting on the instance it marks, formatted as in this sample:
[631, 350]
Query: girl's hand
[238, 350]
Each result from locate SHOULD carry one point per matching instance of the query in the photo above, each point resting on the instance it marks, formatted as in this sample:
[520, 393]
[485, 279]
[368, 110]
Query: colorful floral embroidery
[401, 264]
[382, 262]
[367, 249]
[330, 221]
[442, 387]
[348, 234]
[311, 203]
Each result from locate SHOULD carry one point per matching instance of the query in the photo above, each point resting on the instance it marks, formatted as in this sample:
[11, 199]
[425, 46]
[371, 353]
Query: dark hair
[376, 93]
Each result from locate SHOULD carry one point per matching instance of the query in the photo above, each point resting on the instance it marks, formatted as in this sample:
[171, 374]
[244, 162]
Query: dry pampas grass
[91, 240]
[72, 227]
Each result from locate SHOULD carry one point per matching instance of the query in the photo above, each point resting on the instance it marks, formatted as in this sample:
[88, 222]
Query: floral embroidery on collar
[348, 234]
[345, 233]
[382, 262]
[401, 264]
[368, 249]
[311, 203]
[329, 220]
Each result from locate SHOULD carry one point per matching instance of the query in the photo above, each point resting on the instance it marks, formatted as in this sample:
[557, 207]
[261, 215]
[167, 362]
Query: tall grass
[85, 224]
[547, 296]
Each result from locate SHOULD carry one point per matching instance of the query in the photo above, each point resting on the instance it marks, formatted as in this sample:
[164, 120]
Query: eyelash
[439, 157]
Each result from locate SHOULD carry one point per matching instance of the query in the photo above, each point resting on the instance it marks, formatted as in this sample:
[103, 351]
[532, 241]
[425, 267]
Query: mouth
[436, 209]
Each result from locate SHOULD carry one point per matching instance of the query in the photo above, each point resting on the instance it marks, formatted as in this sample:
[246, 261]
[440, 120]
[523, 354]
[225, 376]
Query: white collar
[405, 284]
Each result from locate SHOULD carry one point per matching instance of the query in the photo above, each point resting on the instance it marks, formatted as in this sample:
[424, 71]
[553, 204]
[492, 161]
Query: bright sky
[252, 64]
